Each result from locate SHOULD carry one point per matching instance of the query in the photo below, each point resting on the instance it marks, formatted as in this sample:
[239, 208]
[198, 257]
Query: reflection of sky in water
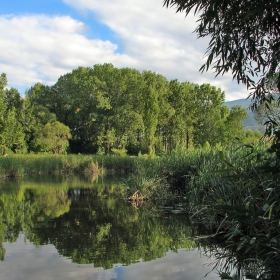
[23, 261]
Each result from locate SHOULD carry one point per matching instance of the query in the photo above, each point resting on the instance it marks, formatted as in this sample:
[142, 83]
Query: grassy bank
[21, 165]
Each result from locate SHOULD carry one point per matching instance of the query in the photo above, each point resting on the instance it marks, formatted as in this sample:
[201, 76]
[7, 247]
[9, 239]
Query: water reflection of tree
[23, 209]
[88, 225]
[108, 232]
[2, 249]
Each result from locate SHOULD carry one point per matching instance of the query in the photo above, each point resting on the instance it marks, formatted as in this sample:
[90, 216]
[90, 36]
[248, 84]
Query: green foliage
[52, 138]
[237, 200]
[252, 136]
[20, 165]
[11, 126]
[12, 135]
[210, 115]
[119, 152]
[233, 128]
[104, 109]
[108, 108]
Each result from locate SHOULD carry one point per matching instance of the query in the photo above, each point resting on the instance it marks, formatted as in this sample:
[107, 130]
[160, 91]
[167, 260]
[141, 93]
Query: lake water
[76, 228]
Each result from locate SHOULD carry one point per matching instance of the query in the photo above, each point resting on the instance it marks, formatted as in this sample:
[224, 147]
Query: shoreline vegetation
[175, 164]
[233, 194]
[18, 165]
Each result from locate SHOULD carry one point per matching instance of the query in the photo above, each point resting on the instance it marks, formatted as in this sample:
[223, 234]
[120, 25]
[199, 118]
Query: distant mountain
[249, 123]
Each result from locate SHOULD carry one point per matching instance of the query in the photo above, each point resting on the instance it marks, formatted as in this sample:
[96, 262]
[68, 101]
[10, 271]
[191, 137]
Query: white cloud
[160, 39]
[151, 37]
[40, 48]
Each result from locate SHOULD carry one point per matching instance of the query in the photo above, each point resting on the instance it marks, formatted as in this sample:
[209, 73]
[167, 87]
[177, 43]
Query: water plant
[238, 202]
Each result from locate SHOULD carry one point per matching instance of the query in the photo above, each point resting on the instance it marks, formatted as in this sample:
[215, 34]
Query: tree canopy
[107, 110]
[244, 39]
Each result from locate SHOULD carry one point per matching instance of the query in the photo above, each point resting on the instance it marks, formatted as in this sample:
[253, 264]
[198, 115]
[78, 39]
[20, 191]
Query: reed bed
[20, 165]
[200, 176]
[121, 164]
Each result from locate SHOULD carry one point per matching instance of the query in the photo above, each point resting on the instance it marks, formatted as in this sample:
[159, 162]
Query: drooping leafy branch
[244, 39]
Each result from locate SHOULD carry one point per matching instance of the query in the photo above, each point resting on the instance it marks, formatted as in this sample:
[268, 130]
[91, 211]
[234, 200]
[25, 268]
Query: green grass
[20, 165]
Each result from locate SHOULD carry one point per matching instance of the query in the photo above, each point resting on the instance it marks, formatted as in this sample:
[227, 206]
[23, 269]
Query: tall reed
[19, 165]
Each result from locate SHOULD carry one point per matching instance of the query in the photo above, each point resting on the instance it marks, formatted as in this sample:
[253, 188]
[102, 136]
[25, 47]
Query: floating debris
[137, 196]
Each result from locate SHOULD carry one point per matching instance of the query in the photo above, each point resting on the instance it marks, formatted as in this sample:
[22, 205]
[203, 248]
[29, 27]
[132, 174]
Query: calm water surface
[74, 228]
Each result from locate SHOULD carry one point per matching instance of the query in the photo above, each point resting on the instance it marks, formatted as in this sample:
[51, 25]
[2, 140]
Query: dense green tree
[122, 88]
[97, 101]
[14, 100]
[12, 134]
[36, 115]
[182, 122]
[11, 127]
[211, 115]
[114, 110]
[130, 125]
[233, 124]
[74, 100]
[3, 84]
[53, 138]
[118, 110]
[3, 106]
[152, 95]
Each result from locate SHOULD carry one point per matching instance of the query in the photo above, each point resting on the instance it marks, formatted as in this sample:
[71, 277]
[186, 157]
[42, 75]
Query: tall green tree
[233, 125]
[75, 100]
[36, 115]
[181, 124]
[122, 88]
[211, 114]
[117, 110]
[11, 127]
[156, 88]
[3, 106]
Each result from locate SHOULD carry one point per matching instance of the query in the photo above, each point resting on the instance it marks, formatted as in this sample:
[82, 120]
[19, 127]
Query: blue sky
[42, 40]
[57, 7]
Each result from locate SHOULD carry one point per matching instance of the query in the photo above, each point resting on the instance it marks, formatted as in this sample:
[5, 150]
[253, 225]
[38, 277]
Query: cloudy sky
[42, 40]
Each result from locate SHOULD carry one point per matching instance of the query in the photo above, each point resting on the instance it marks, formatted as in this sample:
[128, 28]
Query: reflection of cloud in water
[24, 261]
[187, 265]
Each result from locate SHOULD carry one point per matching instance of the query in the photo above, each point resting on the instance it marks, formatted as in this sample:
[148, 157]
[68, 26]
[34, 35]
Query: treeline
[123, 111]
